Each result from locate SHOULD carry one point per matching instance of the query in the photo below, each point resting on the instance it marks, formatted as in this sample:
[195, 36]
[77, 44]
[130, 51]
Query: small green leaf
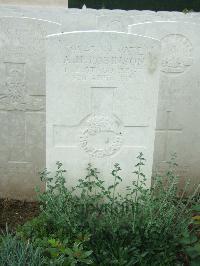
[194, 252]
[196, 208]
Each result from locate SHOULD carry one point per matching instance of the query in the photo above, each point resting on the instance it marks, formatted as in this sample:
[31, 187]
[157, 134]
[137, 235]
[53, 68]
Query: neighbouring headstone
[193, 15]
[117, 11]
[175, 16]
[162, 16]
[73, 10]
[141, 18]
[114, 22]
[22, 104]
[70, 20]
[83, 21]
[171, 15]
[179, 95]
[10, 10]
[134, 12]
[101, 102]
[104, 11]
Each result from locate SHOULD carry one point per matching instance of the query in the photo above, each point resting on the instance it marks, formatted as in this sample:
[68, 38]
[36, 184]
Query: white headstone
[71, 20]
[113, 22]
[147, 12]
[118, 11]
[83, 21]
[9, 10]
[111, 11]
[141, 18]
[73, 10]
[175, 16]
[179, 95]
[22, 104]
[101, 101]
[145, 16]
[193, 15]
[133, 12]
[38, 12]
[90, 11]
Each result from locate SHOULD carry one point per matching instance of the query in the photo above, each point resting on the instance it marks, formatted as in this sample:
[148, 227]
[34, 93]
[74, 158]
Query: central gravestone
[102, 92]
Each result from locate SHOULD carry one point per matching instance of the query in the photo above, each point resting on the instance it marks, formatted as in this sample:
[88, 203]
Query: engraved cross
[168, 134]
[101, 133]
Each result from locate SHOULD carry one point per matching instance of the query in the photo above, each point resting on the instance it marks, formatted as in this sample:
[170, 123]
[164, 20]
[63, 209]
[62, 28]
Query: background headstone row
[23, 87]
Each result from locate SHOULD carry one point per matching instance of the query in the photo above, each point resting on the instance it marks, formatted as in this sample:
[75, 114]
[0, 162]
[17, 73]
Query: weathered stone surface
[114, 22]
[22, 103]
[171, 15]
[144, 16]
[133, 12]
[112, 11]
[73, 19]
[101, 101]
[70, 19]
[176, 16]
[79, 21]
[179, 95]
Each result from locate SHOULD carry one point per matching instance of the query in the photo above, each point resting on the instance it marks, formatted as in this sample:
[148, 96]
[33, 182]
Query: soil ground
[15, 212]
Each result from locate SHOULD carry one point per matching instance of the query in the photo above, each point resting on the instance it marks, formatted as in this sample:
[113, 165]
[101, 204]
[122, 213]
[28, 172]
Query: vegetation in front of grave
[145, 226]
[190, 240]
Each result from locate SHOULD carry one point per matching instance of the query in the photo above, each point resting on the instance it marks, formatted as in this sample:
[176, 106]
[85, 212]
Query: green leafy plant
[92, 223]
[190, 240]
[71, 256]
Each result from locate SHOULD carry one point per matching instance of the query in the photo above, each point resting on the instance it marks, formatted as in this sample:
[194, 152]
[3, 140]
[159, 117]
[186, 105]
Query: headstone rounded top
[160, 25]
[36, 20]
[134, 12]
[90, 46]
[110, 34]
[177, 38]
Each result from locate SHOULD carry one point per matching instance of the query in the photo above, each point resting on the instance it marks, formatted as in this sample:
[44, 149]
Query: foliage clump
[94, 224]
